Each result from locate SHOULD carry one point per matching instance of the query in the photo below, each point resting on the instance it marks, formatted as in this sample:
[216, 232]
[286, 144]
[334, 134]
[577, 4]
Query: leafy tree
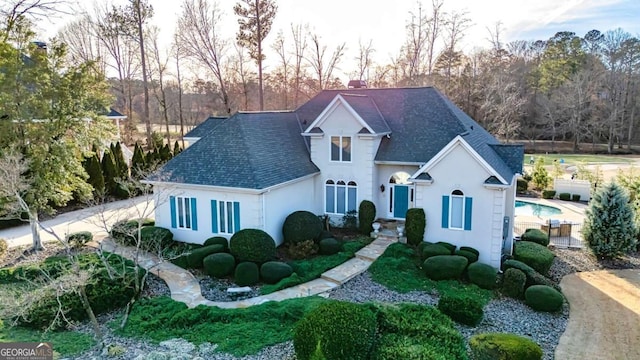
[610, 228]
[256, 17]
[540, 176]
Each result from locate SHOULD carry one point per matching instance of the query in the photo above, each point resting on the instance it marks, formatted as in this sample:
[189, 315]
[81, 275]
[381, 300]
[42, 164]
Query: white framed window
[340, 196]
[225, 217]
[341, 148]
[184, 212]
[456, 211]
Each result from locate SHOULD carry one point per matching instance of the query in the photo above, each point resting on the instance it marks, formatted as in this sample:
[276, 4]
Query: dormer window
[341, 148]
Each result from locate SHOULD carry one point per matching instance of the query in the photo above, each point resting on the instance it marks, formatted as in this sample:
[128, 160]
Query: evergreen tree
[110, 173]
[96, 179]
[610, 228]
[138, 165]
[176, 149]
[165, 153]
[121, 163]
[540, 176]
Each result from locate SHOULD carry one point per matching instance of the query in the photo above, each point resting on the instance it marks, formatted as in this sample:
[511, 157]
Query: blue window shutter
[172, 204]
[468, 202]
[194, 214]
[236, 216]
[445, 211]
[214, 216]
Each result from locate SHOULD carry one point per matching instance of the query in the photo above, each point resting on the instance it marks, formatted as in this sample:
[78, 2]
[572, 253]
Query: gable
[338, 114]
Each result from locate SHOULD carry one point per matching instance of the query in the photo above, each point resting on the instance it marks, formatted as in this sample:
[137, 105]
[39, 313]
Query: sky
[383, 21]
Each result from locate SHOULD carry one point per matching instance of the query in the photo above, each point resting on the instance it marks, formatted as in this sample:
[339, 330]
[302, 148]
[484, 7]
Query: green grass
[309, 269]
[66, 343]
[398, 269]
[237, 331]
[572, 159]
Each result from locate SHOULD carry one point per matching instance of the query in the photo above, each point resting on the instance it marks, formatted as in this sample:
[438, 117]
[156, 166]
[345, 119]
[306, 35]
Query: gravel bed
[216, 290]
[362, 289]
[155, 286]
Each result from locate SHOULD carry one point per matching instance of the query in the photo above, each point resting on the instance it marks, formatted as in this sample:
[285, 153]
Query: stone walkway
[185, 287]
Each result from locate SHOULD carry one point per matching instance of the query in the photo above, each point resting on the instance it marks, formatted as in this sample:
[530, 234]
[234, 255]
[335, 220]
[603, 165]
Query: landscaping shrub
[548, 194]
[325, 235]
[447, 245]
[461, 308]
[470, 249]
[154, 238]
[125, 232]
[513, 283]
[252, 245]
[564, 196]
[336, 331]
[483, 275]
[539, 257]
[575, 197]
[442, 267]
[75, 240]
[196, 256]
[366, 216]
[303, 249]
[415, 224]
[543, 298]
[300, 226]
[273, 271]
[468, 254]
[500, 346]
[217, 240]
[247, 274]
[433, 250]
[4, 247]
[219, 265]
[533, 277]
[329, 246]
[536, 236]
[522, 185]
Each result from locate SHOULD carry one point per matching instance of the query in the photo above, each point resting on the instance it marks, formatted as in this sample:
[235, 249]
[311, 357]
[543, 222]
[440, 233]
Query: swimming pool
[533, 209]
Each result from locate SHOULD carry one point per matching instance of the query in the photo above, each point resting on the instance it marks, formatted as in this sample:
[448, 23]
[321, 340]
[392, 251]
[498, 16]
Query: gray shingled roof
[368, 111]
[422, 122]
[204, 127]
[247, 150]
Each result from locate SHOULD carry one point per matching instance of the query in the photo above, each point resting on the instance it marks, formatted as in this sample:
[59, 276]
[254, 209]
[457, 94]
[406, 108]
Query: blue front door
[400, 201]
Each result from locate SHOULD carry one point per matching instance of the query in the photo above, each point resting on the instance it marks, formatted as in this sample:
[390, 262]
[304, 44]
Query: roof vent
[357, 84]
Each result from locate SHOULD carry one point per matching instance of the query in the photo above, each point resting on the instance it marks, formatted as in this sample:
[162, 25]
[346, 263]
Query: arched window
[340, 197]
[456, 211]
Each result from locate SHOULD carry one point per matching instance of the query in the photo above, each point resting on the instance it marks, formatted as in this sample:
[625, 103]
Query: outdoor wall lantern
[382, 188]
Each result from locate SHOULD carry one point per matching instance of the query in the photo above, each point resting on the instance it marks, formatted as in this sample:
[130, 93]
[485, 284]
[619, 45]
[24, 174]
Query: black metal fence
[561, 234]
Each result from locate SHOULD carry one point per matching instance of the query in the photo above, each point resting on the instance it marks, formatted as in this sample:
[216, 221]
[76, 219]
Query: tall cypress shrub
[366, 216]
[96, 178]
[138, 166]
[176, 149]
[109, 172]
[121, 163]
[416, 222]
[610, 228]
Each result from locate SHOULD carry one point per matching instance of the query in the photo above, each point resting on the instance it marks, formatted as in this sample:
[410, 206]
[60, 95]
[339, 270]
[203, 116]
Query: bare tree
[238, 69]
[282, 73]
[14, 11]
[322, 66]
[200, 39]
[364, 59]
[434, 24]
[83, 43]
[177, 55]
[158, 67]
[299, 33]
[256, 17]
[142, 12]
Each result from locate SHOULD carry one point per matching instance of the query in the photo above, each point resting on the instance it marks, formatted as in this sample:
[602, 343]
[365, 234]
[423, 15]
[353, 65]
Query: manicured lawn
[309, 269]
[66, 343]
[573, 159]
[236, 331]
[398, 270]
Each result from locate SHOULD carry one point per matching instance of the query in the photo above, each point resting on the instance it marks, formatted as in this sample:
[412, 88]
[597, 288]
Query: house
[400, 148]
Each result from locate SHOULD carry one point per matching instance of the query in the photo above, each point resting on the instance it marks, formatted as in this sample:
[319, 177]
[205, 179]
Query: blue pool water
[532, 209]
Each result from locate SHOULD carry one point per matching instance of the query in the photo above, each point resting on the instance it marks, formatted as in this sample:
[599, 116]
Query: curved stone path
[604, 319]
[186, 288]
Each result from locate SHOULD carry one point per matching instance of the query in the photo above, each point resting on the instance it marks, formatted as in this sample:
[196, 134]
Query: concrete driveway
[97, 219]
[604, 319]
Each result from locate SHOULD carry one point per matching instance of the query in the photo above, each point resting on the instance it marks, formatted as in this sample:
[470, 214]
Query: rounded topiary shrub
[433, 250]
[273, 271]
[217, 240]
[539, 257]
[300, 226]
[536, 236]
[463, 309]
[444, 267]
[196, 256]
[543, 298]
[533, 277]
[154, 238]
[483, 275]
[246, 274]
[415, 224]
[337, 331]
[325, 235]
[366, 216]
[491, 346]
[470, 249]
[468, 254]
[252, 245]
[447, 245]
[513, 283]
[329, 246]
[75, 240]
[219, 265]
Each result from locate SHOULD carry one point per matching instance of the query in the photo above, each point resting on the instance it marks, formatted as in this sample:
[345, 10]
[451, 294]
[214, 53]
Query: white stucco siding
[281, 202]
[459, 170]
[250, 206]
